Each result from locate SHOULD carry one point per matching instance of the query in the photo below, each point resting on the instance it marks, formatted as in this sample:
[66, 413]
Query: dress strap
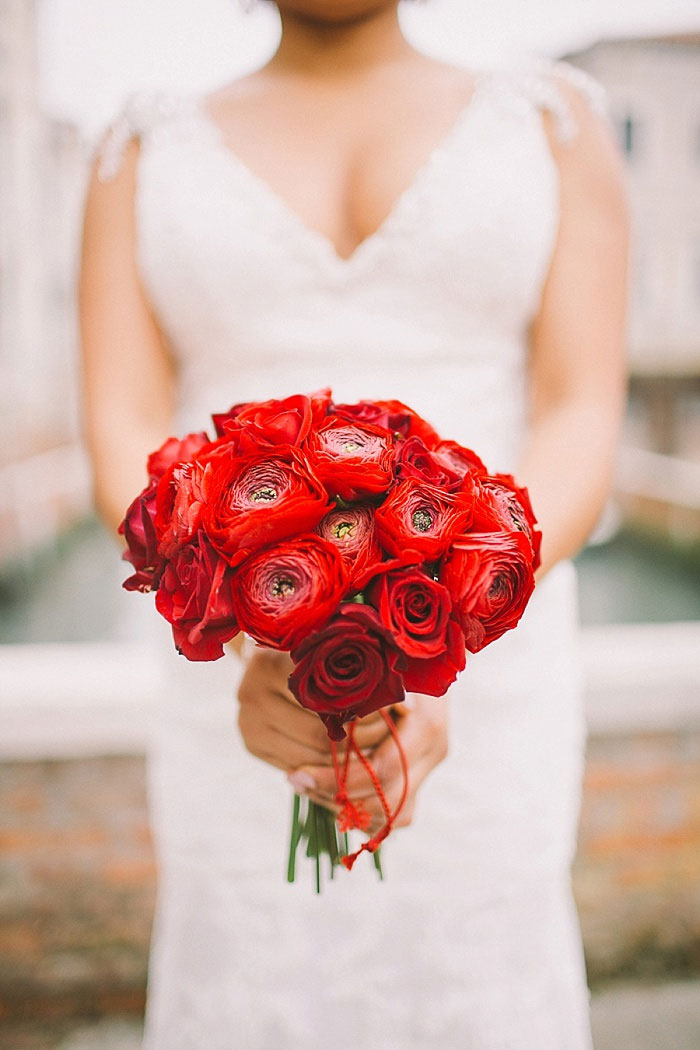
[540, 80]
[141, 115]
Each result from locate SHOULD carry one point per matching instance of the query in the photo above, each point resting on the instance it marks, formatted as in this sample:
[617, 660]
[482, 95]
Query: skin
[346, 106]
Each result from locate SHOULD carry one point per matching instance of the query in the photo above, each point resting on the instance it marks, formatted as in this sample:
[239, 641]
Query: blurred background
[76, 867]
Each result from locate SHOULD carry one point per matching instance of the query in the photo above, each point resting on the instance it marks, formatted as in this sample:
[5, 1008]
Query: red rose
[138, 529]
[351, 459]
[352, 532]
[347, 669]
[490, 578]
[180, 500]
[261, 498]
[501, 504]
[393, 416]
[284, 422]
[420, 517]
[414, 607]
[195, 597]
[284, 592]
[414, 460]
[434, 676]
[173, 451]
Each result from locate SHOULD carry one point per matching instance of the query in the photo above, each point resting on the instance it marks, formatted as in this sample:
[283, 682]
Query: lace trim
[537, 80]
[142, 113]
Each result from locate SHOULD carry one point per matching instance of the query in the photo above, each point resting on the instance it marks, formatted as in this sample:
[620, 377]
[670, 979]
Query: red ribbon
[353, 814]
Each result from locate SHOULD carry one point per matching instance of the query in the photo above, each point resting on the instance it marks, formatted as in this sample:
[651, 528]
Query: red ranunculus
[173, 451]
[414, 607]
[490, 578]
[180, 499]
[420, 517]
[351, 459]
[458, 459]
[501, 504]
[261, 498]
[138, 529]
[435, 675]
[347, 669]
[284, 592]
[195, 597]
[352, 532]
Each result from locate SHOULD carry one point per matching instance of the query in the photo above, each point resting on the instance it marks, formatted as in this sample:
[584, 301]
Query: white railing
[94, 699]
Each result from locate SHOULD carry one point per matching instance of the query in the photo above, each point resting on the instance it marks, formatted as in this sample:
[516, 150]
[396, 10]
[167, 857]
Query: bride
[357, 215]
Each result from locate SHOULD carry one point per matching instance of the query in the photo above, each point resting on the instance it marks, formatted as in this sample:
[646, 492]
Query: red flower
[414, 460]
[173, 451]
[139, 531]
[435, 675]
[347, 669]
[394, 416]
[423, 518]
[458, 459]
[283, 593]
[261, 498]
[284, 422]
[501, 504]
[351, 459]
[352, 532]
[414, 608]
[195, 597]
[490, 578]
[180, 500]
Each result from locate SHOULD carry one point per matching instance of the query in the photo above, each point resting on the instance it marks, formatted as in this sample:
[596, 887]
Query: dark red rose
[180, 498]
[351, 459]
[434, 676]
[490, 578]
[420, 517]
[347, 669]
[138, 529]
[394, 416]
[352, 532]
[458, 459]
[501, 504]
[414, 607]
[261, 498]
[414, 460]
[284, 592]
[195, 597]
[173, 451]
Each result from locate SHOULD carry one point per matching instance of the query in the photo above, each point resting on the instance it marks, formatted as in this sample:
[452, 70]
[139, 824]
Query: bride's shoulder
[144, 114]
[571, 95]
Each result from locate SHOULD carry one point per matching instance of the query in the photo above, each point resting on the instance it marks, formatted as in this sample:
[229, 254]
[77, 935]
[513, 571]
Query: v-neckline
[395, 213]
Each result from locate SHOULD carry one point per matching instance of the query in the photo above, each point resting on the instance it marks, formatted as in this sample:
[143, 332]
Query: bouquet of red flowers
[349, 535]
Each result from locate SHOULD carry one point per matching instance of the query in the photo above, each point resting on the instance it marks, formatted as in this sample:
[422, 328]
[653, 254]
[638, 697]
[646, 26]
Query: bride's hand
[422, 729]
[278, 730]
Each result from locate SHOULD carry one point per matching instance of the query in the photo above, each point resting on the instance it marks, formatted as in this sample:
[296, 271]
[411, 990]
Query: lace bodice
[433, 308]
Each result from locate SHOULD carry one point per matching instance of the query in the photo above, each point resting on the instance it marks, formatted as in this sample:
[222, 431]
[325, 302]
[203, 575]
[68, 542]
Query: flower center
[283, 586]
[343, 529]
[351, 446]
[497, 588]
[265, 494]
[422, 520]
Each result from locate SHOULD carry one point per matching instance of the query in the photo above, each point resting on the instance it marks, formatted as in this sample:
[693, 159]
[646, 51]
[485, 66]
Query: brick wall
[77, 873]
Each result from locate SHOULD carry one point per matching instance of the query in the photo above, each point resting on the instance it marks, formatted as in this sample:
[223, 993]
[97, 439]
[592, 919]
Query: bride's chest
[467, 242]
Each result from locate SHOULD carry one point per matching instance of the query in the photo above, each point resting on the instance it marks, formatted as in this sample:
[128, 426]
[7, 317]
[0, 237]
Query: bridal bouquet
[349, 535]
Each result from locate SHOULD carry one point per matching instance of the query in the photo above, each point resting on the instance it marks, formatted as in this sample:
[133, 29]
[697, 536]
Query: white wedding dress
[472, 941]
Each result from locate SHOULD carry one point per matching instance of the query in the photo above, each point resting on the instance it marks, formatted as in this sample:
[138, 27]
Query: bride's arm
[577, 367]
[128, 376]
